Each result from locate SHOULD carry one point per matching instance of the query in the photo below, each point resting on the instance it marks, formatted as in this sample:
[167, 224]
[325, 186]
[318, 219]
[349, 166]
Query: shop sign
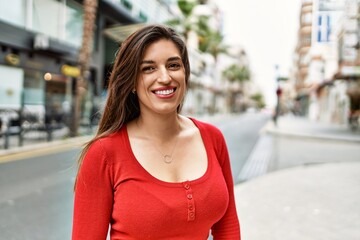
[42, 42]
[12, 59]
[70, 71]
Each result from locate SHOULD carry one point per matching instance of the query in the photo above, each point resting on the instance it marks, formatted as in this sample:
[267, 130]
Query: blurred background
[280, 78]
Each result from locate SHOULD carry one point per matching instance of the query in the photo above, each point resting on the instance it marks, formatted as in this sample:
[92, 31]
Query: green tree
[236, 72]
[185, 24]
[258, 98]
[210, 41]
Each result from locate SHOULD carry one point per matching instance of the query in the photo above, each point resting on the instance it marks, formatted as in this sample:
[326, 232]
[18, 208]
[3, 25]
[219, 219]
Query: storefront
[39, 85]
[351, 76]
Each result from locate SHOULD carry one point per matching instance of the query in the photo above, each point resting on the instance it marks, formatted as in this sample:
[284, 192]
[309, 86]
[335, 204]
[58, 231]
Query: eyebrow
[174, 58]
[151, 61]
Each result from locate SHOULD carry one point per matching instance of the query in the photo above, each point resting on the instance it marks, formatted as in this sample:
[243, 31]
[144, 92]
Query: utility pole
[278, 94]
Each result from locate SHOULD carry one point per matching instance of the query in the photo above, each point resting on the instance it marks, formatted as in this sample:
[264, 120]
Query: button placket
[190, 202]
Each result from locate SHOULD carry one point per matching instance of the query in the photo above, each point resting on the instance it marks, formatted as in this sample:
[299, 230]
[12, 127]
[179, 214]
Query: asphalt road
[241, 134]
[36, 195]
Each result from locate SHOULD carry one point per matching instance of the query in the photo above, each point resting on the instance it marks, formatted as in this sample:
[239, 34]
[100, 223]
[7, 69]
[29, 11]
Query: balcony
[305, 31]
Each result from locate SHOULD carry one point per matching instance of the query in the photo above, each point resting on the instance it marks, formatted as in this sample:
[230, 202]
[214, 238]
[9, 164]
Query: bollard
[49, 132]
[7, 135]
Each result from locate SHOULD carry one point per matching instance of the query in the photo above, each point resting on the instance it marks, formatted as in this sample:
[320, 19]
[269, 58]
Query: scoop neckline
[173, 184]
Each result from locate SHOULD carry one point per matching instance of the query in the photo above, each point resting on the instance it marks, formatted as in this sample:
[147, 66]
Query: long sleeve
[228, 227]
[93, 196]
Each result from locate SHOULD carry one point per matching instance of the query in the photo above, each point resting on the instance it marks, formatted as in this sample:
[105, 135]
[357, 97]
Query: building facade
[347, 77]
[302, 57]
[326, 49]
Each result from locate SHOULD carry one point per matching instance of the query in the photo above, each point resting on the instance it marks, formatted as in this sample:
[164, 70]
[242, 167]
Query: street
[36, 192]
[36, 197]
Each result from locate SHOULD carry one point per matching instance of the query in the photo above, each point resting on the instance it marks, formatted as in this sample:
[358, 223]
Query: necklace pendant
[167, 159]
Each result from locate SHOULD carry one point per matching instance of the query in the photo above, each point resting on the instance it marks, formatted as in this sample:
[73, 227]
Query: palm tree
[186, 24]
[90, 10]
[210, 41]
[258, 98]
[236, 73]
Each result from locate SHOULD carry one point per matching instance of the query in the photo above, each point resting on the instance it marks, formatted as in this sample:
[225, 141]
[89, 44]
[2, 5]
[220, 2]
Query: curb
[270, 129]
[41, 148]
[258, 160]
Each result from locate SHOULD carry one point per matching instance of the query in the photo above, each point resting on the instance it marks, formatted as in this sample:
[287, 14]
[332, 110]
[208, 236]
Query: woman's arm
[93, 196]
[228, 227]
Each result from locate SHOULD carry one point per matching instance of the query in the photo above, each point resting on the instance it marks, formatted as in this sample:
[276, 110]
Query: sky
[267, 30]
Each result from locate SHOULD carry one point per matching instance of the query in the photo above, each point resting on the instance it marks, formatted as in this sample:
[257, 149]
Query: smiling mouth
[165, 92]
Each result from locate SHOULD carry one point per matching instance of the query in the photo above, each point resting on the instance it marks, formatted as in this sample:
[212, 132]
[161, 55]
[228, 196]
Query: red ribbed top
[113, 188]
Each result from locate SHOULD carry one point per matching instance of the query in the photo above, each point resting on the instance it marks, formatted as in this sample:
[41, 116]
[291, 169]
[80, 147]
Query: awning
[120, 33]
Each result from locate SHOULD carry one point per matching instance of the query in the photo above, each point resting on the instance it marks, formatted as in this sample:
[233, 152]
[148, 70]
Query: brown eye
[147, 69]
[174, 66]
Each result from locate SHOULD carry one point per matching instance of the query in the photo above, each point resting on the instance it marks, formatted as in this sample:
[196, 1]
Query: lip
[164, 89]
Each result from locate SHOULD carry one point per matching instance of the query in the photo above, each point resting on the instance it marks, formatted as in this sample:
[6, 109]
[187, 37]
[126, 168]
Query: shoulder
[211, 134]
[108, 146]
[207, 129]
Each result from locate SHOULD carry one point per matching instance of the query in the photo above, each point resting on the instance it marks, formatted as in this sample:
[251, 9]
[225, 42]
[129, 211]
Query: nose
[164, 76]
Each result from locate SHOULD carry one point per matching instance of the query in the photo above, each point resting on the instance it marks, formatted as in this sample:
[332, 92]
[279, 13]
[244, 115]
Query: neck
[160, 127]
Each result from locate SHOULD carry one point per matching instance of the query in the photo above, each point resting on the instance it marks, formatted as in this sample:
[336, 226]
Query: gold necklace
[167, 158]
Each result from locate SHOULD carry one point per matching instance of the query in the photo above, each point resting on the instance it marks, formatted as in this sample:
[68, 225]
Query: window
[143, 16]
[13, 12]
[74, 23]
[11, 87]
[33, 87]
[47, 17]
[324, 28]
[127, 4]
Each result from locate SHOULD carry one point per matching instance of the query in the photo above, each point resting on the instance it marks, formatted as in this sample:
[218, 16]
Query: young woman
[151, 173]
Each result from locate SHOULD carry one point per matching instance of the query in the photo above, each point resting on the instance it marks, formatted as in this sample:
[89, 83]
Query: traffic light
[278, 91]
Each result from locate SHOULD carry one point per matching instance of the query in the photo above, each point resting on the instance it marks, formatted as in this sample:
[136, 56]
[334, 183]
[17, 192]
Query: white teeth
[164, 92]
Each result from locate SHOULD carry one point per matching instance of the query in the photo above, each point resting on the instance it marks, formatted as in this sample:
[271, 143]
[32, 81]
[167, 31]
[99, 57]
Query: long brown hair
[122, 105]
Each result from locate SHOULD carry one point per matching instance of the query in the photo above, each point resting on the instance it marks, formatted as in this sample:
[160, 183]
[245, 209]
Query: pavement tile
[316, 197]
[308, 203]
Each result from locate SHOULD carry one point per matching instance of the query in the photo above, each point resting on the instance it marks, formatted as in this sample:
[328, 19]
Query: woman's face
[161, 82]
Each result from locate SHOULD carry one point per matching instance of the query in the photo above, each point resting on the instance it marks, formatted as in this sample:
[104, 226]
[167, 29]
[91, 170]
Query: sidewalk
[35, 141]
[303, 127]
[309, 201]
[303, 203]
